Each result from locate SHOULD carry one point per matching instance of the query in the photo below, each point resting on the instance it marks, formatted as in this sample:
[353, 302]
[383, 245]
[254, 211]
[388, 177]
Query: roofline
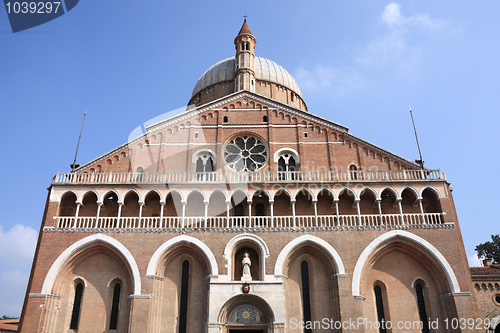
[232, 97]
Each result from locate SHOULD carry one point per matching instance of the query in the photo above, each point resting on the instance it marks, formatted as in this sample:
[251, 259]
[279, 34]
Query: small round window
[496, 299]
[245, 153]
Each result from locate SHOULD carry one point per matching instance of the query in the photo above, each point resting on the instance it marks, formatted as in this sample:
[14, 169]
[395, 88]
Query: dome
[265, 70]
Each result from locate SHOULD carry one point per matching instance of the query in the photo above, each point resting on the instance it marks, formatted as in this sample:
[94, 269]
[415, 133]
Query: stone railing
[246, 222]
[249, 177]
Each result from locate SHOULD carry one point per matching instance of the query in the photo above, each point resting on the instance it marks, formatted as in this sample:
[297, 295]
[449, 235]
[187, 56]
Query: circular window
[245, 153]
[497, 299]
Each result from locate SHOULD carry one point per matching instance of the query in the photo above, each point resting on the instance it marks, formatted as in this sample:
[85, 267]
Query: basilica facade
[248, 213]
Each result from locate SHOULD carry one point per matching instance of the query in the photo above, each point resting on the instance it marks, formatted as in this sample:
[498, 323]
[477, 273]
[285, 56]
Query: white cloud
[337, 81]
[392, 17]
[474, 261]
[397, 48]
[17, 247]
[402, 41]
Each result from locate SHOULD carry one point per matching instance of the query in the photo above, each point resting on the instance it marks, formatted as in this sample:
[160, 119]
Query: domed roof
[265, 70]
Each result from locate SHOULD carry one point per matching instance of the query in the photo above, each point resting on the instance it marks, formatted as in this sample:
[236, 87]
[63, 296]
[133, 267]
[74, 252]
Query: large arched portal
[248, 314]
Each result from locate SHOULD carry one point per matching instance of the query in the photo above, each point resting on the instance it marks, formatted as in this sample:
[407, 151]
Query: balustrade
[245, 222]
[249, 177]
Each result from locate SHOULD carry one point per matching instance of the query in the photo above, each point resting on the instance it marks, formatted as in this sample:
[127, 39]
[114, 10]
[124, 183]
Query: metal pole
[73, 166]
[418, 144]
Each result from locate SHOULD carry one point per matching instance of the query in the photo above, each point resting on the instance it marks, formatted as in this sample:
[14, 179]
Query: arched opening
[287, 164]
[92, 302]
[67, 207]
[368, 202]
[131, 205]
[182, 295]
[409, 202]
[260, 208]
[265, 119]
[282, 209]
[404, 265]
[152, 207]
[217, 204]
[115, 305]
[347, 206]
[303, 203]
[311, 280]
[204, 165]
[430, 202]
[380, 296]
[388, 203]
[253, 254]
[422, 311]
[248, 313]
[110, 205]
[225, 119]
[239, 208]
[195, 206]
[173, 206]
[89, 205]
[77, 304]
[353, 171]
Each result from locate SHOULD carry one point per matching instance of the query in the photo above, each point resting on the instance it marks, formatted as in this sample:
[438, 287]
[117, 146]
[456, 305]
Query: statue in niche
[246, 262]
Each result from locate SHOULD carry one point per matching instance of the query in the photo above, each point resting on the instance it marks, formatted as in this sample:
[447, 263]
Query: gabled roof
[217, 104]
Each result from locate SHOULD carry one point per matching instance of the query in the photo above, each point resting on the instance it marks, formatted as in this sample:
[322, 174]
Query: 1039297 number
[32, 7]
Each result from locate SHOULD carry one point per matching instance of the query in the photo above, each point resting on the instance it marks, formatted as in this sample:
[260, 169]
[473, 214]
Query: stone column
[271, 207]
[162, 209]
[78, 204]
[292, 202]
[120, 205]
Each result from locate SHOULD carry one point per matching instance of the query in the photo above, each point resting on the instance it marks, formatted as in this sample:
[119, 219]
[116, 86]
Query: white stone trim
[81, 244]
[284, 150]
[290, 247]
[425, 245]
[228, 251]
[183, 239]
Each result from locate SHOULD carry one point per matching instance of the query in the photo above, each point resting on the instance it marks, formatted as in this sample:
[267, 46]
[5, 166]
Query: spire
[245, 29]
[244, 43]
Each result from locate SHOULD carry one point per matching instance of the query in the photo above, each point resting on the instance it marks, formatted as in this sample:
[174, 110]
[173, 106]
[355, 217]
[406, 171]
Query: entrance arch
[248, 314]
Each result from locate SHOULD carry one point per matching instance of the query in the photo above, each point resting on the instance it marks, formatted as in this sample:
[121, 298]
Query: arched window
[286, 166]
[379, 302]
[354, 174]
[225, 120]
[306, 297]
[183, 306]
[422, 312]
[77, 305]
[115, 305]
[265, 119]
[204, 164]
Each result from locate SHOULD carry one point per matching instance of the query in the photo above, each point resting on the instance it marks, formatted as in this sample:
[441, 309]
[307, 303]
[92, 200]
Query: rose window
[245, 153]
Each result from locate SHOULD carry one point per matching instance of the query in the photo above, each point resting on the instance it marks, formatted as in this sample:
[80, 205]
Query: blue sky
[358, 63]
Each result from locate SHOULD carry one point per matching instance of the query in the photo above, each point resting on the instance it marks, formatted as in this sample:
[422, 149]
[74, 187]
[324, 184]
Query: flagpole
[74, 165]
[421, 161]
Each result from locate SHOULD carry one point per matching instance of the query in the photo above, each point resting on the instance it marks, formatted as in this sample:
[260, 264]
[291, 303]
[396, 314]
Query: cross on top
[245, 17]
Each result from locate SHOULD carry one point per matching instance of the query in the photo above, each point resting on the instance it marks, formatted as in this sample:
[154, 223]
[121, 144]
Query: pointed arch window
[306, 297]
[422, 312]
[77, 305]
[353, 170]
[287, 164]
[379, 303]
[115, 306]
[183, 306]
